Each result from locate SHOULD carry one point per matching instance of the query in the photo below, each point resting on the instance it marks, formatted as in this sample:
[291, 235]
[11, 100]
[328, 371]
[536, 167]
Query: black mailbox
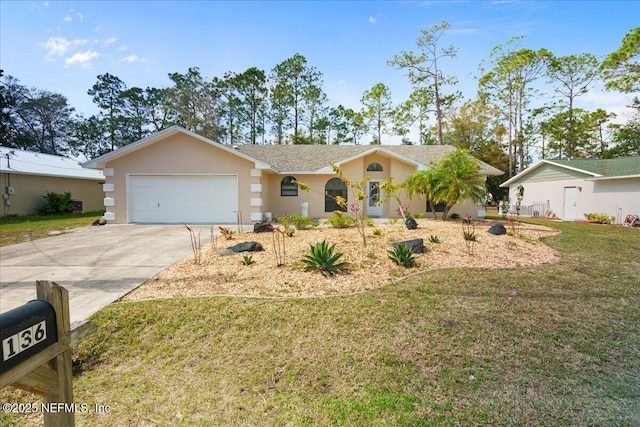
[25, 331]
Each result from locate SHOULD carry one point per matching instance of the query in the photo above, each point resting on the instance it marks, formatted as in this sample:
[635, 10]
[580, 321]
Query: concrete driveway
[97, 265]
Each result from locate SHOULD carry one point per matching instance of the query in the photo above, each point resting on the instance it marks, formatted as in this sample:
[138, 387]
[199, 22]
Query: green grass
[549, 345]
[17, 229]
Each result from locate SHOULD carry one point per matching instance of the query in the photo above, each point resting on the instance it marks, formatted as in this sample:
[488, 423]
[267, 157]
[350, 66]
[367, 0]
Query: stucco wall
[355, 171]
[617, 198]
[29, 190]
[180, 154]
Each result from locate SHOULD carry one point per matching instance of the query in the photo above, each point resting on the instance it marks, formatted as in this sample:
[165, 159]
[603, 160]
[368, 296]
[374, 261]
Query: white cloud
[122, 48]
[68, 18]
[58, 46]
[372, 20]
[80, 16]
[83, 59]
[107, 42]
[46, 3]
[132, 58]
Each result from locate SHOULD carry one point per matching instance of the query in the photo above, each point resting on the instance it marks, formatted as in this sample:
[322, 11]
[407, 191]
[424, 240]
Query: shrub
[470, 236]
[434, 239]
[341, 220]
[57, 203]
[600, 218]
[300, 221]
[454, 216]
[377, 231]
[366, 221]
[402, 255]
[321, 258]
[227, 233]
[247, 259]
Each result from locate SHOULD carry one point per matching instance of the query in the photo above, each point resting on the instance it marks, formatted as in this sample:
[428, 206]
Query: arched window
[332, 189]
[288, 187]
[374, 167]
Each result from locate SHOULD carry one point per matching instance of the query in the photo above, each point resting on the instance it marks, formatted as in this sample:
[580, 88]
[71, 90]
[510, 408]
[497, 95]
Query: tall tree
[136, 114]
[508, 80]
[106, 93]
[252, 88]
[424, 68]
[475, 127]
[314, 105]
[34, 119]
[414, 112]
[621, 68]
[627, 137]
[295, 86]
[232, 106]
[89, 137]
[196, 103]
[377, 109]
[161, 114]
[11, 92]
[588, 131]
[572, 75]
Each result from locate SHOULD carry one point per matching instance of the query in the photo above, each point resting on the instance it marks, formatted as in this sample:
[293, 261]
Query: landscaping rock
[261, 227]
[411, 224]
[246, 247]
[416, 245]
[497, 229]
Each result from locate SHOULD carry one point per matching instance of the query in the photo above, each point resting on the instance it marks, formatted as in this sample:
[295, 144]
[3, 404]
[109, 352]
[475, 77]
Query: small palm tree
[455, 178]
[424, 182]
[461, 179]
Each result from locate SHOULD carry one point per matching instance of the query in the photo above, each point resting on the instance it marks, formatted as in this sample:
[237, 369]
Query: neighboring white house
[570, 189]
[26, 176]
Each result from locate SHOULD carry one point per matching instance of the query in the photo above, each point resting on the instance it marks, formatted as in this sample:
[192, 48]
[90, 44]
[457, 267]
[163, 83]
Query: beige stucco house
[570, 189]
[177, 176]
[27, 176]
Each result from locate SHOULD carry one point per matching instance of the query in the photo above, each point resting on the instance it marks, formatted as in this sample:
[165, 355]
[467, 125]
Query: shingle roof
[13, 160]
[622, 166]
[311, 158]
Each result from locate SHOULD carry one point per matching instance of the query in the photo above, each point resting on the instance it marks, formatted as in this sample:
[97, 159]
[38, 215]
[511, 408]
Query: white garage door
[183, 199]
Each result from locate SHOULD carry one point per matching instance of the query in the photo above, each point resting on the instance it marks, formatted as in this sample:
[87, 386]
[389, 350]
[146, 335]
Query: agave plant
[402, 255]
[321, 258]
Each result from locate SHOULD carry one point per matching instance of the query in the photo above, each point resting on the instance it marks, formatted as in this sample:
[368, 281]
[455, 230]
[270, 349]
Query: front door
[570, 202]
[374, 195]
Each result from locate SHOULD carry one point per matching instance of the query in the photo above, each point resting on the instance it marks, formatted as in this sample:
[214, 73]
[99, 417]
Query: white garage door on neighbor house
[174, 199]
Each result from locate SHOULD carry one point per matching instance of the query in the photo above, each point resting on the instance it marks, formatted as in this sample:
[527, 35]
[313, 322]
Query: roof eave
[541, 163]
[608, 178]
[100, 162]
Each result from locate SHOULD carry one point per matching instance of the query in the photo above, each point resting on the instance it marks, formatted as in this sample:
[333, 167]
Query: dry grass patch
[369, 267]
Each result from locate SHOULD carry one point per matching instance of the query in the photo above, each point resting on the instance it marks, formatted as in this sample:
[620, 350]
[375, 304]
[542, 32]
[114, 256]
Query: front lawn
[541, 345]
[17, 229]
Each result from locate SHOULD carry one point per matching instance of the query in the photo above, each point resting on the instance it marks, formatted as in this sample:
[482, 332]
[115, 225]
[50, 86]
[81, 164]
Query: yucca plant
[247, 259]
[434, 238]
[402, 255]
[322, 258]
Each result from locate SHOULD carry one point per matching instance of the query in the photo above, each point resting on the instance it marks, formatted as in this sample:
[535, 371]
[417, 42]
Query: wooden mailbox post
[35, 361]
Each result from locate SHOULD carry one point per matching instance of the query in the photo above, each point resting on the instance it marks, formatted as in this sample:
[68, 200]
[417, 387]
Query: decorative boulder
[261, 227]
[497, 229]
[246, 247]
[416, 245]
[411, 223]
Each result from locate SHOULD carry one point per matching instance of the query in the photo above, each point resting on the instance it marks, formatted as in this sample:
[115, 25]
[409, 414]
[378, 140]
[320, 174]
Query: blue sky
[62, 46]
